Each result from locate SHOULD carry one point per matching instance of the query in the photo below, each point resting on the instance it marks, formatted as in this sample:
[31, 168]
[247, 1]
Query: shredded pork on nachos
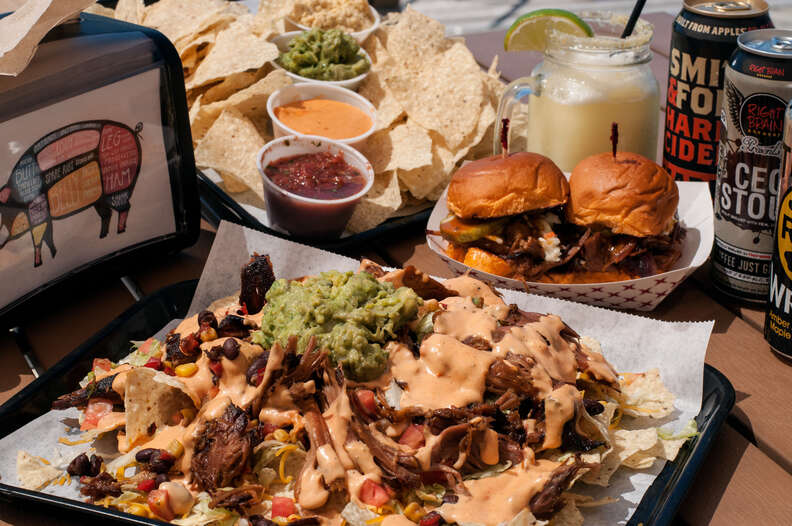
[360, 398]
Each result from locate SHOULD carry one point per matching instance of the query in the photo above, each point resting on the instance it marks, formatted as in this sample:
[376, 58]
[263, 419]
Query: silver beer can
[757, 88]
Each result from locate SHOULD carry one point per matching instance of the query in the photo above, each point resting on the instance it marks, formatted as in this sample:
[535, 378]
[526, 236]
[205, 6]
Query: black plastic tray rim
[657, 508]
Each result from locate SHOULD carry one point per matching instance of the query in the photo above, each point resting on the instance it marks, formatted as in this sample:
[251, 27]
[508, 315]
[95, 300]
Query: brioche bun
[498, 187]
[628, 194]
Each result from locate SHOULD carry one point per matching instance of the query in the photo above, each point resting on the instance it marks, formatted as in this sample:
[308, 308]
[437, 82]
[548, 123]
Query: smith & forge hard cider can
[704, 37]
[778, 319]
[757, 88]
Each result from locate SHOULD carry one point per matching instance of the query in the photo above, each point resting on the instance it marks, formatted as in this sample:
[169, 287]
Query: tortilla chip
[236, 50]
[229, 85]
[569, 515]
[405, 146]
[98, 9]
[389, 109]
[177, 19]
[131, 11]
[251, 102]
[195, 108]
[665, 449]
[445, 95]
[230, 147]
[644, 395]
[378, 204]
[152, 398]
[430, 181]
[197, 45]
[414, 39]
[32, 473]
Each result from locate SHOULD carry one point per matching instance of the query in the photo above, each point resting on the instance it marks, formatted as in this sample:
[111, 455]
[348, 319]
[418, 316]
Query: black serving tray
[217, 205]
[148, 316]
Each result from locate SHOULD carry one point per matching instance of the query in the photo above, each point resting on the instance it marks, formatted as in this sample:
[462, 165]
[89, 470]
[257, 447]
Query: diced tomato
[145, 347]
[97, 408]
[101, 365]
[217, 367]
[146, 485]
[267, 428]
[169, 371]
[373, 494]
[365, 398]
[243, 308]
[283, 507]
[158, 503]
[154, 363]
[260, 376]
[413, 436]
[431, 519]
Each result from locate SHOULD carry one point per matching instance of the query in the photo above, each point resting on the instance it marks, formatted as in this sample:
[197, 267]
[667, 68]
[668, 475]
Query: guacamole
[351, 315]
[324, 55]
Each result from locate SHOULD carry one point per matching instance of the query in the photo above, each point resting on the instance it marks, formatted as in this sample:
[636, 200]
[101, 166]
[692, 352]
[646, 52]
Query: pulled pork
[222, 450]
[102, 389]
[257, 276]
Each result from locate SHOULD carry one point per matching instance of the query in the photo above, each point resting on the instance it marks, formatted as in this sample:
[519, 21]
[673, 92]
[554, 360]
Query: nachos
[363, 398]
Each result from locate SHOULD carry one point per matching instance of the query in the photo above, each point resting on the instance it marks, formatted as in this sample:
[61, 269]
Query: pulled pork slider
[627, 204]
[504, 213]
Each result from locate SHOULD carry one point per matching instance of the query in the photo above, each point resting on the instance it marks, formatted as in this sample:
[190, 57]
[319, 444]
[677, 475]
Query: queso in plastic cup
[302, 177]
[304, 95]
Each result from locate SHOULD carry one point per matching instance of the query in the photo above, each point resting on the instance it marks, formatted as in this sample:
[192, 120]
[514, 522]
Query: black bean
[258, 520]
[144, 455]
[258, 364]
[161, 461]
[214, 353]
[79, 466]
[231, 348]
[96, 465]
[450, 498]
[207, 319]
[161, 477]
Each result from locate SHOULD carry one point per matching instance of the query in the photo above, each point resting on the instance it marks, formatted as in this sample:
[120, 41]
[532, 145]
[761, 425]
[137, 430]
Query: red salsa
[316, 176]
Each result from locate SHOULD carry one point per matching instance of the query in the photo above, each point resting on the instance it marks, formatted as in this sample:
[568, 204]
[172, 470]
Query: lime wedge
[529, 32]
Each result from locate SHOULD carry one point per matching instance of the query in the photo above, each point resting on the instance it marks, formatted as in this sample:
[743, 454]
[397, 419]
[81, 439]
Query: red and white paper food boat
[644, 294]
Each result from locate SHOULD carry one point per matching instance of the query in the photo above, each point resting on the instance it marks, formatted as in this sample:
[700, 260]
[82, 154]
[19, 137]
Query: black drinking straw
[636, 12]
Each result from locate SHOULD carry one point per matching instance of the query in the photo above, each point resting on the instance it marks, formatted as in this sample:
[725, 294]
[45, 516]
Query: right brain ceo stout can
[778, 320]
[757, 88]
[704, 36]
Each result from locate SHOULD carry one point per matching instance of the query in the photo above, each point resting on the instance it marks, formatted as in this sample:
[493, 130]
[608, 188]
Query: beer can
[703, 38]
[757, 88]
[778, 318]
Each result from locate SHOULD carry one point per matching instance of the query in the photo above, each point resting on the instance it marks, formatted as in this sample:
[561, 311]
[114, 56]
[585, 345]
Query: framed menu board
[96, 158]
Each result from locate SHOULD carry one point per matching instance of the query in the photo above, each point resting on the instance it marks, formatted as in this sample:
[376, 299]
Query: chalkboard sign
[96, 161]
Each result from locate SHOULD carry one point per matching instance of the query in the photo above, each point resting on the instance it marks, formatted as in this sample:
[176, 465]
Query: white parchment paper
[631, 343]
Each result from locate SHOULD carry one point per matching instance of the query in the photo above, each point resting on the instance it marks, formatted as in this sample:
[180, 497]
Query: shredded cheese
[376, 520]
[66, 441]
[283, 453]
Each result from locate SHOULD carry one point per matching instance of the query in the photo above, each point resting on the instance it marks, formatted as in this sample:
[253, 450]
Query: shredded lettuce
[433, 493]
[489, 472]
[138, 358]
[267, 466]
[689, 431]
[202, 515]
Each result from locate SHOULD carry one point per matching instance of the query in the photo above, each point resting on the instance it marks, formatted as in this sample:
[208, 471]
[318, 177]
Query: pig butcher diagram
[86, 164]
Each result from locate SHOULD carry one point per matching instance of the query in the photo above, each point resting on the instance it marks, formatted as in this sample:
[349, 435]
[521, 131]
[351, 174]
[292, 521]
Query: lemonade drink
[566, 108]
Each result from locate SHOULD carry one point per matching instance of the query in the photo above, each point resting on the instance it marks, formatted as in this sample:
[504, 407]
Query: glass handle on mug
[517, 92]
